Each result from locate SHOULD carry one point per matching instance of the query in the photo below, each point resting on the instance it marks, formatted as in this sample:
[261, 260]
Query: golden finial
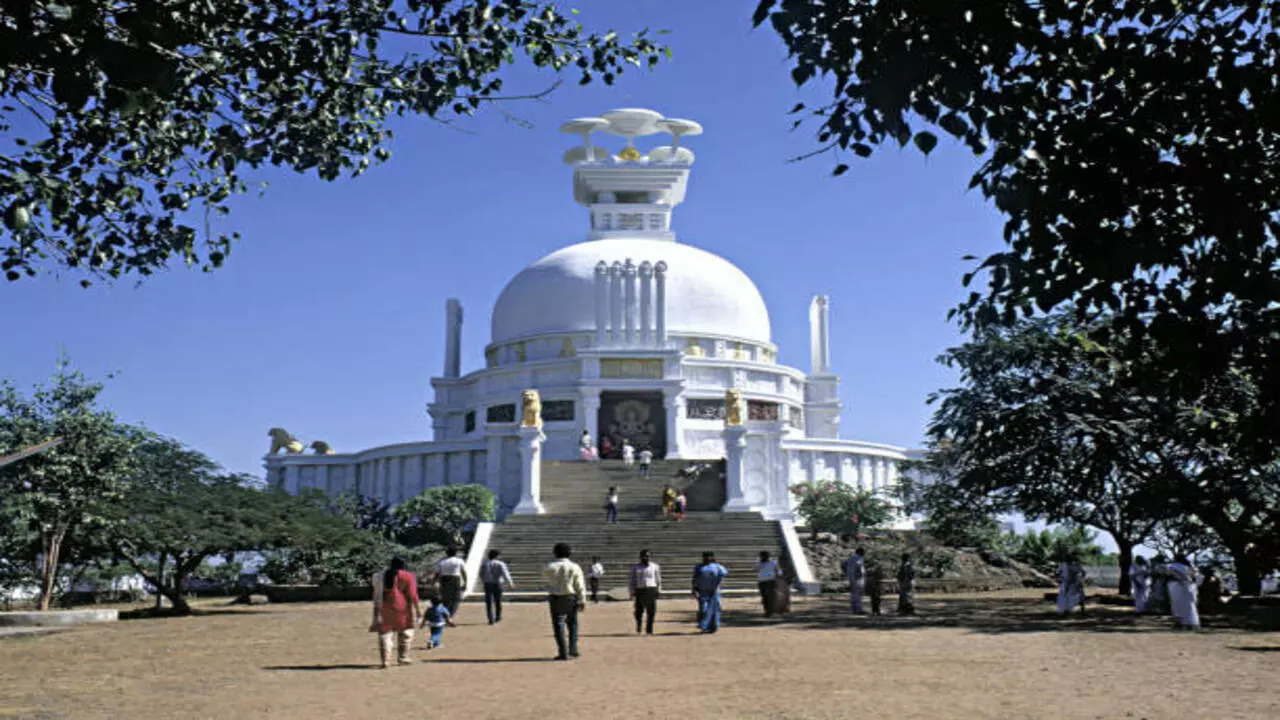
[629, 153]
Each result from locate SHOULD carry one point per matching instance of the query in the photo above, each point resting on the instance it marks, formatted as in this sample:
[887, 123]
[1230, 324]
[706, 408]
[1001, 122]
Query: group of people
[868, 579]
[1174, 587]
[587, 451]
[397, 609]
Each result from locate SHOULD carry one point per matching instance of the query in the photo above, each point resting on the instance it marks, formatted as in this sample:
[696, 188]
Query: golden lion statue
[281, 439]
[733, 406]
[321, 447]
[532, 405]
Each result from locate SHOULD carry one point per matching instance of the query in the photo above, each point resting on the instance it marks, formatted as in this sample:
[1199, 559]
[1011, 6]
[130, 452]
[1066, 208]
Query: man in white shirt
[451, 575]
[646, 458]
[494, 574]
[644, 584]
[855, 570]
[567, 597]
[767, 574]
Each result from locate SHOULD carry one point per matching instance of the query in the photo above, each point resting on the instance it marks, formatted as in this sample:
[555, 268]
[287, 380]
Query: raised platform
[55, 618]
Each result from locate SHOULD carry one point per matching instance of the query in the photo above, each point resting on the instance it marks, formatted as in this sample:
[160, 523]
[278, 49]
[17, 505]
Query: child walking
[437, 616]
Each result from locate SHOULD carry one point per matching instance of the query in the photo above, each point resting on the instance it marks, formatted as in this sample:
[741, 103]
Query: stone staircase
[573, 495]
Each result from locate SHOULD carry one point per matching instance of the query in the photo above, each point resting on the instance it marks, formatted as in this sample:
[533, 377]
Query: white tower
[822, 388]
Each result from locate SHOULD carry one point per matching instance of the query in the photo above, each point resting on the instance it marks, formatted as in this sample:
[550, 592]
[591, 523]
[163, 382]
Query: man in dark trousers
[567, 596]
[451, 574]
[495, 575]
[644, 584]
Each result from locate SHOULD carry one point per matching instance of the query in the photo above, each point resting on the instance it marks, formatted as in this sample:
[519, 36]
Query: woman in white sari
[1140, 579]
[1182, 592]
[1070, 586]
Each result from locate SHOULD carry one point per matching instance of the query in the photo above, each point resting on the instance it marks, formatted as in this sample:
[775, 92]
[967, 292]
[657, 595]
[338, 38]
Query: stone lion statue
[733, 407]
[532, 405]
[321, 447]
[281, 439]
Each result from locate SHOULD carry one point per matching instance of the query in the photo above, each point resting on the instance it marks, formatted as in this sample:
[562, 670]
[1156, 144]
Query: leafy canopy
[127, 126]
[441, 514]
[1132, 147]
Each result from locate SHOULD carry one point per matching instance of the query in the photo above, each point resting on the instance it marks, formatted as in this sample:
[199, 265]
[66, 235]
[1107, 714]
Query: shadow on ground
[312, 668]
[987, 615]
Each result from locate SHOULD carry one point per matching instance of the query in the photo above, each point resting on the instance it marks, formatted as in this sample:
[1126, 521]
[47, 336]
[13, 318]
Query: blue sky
[328, 317]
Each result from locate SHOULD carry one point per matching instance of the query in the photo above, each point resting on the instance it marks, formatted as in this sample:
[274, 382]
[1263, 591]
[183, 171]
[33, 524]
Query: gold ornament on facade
[282, 440]
[532, 409]
[321, 447]
[629, 154]
[733, 407]
[693, 349]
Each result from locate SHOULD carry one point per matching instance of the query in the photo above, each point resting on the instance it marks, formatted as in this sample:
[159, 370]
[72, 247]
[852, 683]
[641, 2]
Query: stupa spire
[630, 193]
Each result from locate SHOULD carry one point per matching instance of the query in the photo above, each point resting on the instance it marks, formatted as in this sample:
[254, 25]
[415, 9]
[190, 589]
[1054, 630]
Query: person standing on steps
[682, 503]
[628, 453]
[566, 596]
[767, 573]
[855, 571]
[644, 585]
[646, 461]
[395, 611]
[451, 575]
[585, 449]
[707, 578]
[494, 574]
[594, 573]
[611, 505]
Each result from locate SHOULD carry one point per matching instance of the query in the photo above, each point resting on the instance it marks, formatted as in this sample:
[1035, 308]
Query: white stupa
[628, 335]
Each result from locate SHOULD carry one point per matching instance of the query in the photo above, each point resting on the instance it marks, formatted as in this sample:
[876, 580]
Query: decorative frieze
[557, 410]
[704, 409]
[760, 410]
[639, 368]
[500, 413]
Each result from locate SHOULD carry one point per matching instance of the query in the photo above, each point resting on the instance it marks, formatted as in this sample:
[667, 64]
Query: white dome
[706, 294]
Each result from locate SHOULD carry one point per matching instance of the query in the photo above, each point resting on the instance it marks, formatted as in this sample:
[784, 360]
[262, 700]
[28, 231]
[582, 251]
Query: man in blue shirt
[706, 587]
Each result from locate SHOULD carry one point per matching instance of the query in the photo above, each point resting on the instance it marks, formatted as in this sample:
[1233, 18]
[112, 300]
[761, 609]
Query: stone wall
[938, 568]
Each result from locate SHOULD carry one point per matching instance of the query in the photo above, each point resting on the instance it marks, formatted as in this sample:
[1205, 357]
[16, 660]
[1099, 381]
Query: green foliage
[440, 515]
[953, 514]
[1044, 549]
[179, 510]
[127, 126]
[55, 504]
[1129, 146]
[839, 508]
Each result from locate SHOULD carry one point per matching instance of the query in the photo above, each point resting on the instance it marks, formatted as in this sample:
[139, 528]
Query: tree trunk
[159, 583]
[1248, 570]
[1126, 559]
[51, 544]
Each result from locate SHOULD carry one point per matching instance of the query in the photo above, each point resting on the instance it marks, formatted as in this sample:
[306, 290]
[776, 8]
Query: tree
[839, 508]
[59, 497]
[441, 514]
[954, 515]
[1043, 422]
[1131, 147]
[129, 125]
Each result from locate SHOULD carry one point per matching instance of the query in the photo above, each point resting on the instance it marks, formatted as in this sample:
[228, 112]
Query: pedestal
[674, 407]
[530, 472]
[735, 451]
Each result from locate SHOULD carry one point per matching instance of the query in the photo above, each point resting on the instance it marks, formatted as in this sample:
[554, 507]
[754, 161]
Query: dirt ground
[996, 655]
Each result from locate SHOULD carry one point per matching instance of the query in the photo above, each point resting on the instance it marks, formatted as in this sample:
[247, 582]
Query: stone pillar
[891, 473]
[660, 304]
[673, 402]
[452, 338]
[646, 302]
[880, 466]
[292, 473]
[591, 414]
[615, 302]
[735, 477]
[530, 472]
[602, 303]
[819, 336]
[629, 297]
[864, 472]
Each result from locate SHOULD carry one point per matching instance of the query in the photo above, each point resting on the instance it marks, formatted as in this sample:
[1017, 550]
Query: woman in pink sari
[395, 611]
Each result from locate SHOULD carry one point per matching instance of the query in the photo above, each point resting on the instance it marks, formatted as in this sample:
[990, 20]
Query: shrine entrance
[635, 416]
